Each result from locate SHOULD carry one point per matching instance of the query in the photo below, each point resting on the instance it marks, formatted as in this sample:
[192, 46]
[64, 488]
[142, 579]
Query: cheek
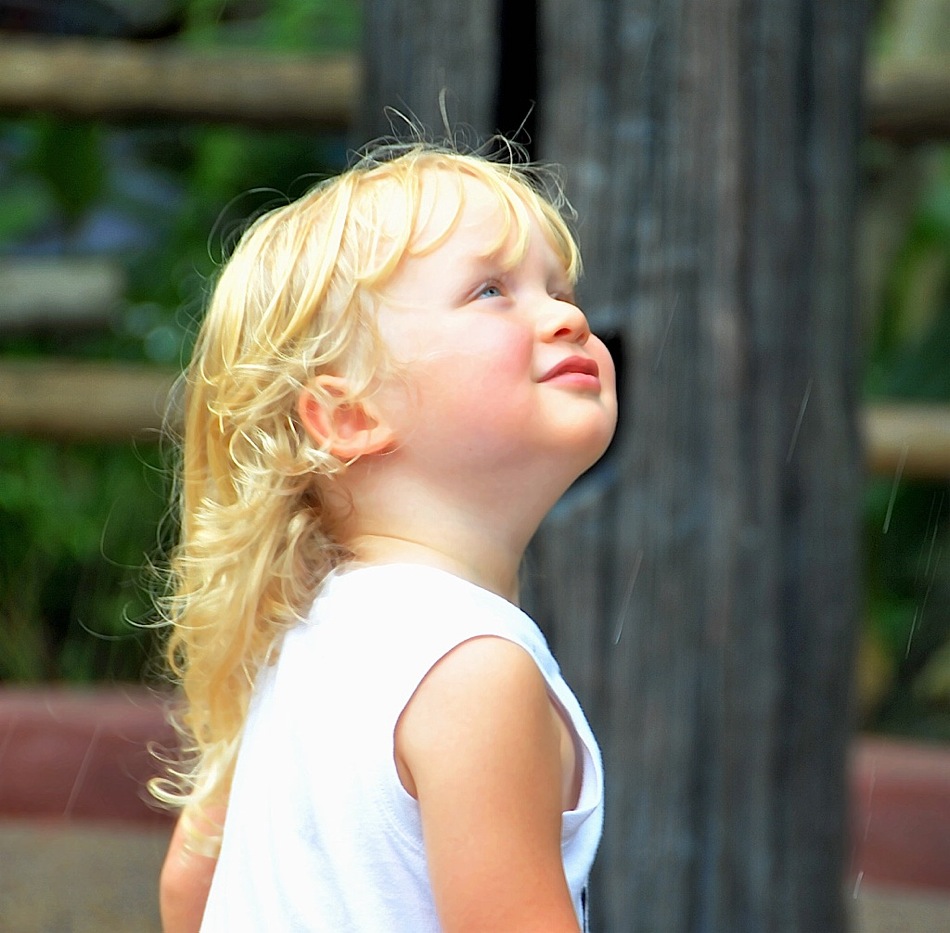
[481, 388]
[471, 373]
[492, 357]
[502, 347]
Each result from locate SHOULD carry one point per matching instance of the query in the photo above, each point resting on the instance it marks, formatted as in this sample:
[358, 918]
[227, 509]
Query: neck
[468, 526]
[490, 568]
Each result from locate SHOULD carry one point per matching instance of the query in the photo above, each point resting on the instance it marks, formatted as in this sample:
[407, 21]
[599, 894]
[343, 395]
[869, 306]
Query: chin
[587, 451]
[599, 437]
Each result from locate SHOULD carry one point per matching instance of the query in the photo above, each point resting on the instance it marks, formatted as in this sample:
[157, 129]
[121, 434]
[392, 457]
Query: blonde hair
[295, 299]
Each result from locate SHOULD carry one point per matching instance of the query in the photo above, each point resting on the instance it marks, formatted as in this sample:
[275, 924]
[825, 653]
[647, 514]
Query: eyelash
[490, 285]
[499, 288]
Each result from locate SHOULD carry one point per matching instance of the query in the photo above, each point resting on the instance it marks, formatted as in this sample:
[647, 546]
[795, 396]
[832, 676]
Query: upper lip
[573, 364]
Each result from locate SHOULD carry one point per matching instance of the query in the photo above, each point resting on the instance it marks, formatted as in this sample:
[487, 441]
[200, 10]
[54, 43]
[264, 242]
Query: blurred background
[904, 266]
[109, 232]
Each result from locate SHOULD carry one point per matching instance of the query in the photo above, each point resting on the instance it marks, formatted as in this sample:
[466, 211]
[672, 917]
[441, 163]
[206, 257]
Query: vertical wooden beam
[713, 151]
[416, 51]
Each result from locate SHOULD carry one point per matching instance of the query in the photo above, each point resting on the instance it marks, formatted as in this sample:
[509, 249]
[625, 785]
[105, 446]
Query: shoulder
[480, 704]
[483, 677]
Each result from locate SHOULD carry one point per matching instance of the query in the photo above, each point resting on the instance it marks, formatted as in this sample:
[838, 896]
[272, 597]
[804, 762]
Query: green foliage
[307, 26]
[908, 357]
[908, 522]
[68, 155]
[80, 523]
[25, 206]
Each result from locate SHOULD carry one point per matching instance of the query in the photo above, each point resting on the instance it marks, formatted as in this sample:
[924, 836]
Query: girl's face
[499, 374]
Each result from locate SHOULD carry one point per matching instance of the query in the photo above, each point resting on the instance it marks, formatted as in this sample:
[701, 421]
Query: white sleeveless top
[320, 834]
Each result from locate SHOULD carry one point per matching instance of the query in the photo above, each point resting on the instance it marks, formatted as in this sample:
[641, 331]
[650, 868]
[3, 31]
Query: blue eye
[489, 290]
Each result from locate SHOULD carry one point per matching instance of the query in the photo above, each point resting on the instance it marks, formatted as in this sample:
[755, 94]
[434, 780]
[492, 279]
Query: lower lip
[576, 381]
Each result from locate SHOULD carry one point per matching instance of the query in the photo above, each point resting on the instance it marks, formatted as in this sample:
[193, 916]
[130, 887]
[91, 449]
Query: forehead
[418, 215]
[451, 202]
[410, 210]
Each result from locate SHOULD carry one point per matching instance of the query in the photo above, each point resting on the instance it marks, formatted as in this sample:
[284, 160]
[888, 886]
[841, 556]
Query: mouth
[581, 366]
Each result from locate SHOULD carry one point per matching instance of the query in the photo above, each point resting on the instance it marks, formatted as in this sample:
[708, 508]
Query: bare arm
[480, 745]
[186, 879]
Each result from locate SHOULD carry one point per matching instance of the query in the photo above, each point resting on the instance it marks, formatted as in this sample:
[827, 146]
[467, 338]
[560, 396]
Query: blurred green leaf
[68, 155]
[26, 205]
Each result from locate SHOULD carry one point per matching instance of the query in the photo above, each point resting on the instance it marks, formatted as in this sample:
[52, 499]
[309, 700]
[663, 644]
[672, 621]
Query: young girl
[392, 387]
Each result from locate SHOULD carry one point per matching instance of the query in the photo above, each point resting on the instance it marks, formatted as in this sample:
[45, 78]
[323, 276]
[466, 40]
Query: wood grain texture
[425, 56]
[712, 150]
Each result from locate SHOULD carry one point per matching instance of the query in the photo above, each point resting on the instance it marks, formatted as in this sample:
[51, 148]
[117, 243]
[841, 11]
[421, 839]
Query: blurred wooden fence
[110, 79]
[117, 80]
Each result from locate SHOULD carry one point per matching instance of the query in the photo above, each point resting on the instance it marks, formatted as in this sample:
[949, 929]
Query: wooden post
[908, 441]
[712, 151]
[115, 79]
[418, 50]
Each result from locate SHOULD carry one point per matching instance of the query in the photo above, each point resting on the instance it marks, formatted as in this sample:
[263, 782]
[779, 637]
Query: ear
[346, 429]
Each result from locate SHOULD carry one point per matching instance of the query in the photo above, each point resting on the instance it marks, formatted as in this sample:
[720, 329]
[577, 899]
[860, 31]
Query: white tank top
[320, 834]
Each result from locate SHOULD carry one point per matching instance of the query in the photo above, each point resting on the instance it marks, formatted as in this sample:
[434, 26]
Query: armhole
[581, 754]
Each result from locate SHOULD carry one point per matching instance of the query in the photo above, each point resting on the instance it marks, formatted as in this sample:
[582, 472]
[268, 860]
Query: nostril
[563, 320]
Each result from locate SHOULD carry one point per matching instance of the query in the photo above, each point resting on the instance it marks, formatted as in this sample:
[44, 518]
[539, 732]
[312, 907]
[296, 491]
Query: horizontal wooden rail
[115, 401]
[58, 292]
[83, 401]
[908, 440]
[909, 104]
[115, 79]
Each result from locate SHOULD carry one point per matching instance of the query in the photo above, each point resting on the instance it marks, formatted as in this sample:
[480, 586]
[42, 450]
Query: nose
[564, 320]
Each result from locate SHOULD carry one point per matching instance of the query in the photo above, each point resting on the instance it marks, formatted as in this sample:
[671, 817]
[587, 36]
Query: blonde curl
[257, 530]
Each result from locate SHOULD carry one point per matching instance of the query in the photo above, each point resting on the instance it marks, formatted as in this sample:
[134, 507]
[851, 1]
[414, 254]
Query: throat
[492, 573]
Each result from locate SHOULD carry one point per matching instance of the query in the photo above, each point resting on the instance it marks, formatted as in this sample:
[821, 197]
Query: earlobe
[347, 429]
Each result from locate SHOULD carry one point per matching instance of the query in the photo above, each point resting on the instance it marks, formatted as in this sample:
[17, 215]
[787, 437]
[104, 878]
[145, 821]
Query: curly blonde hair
[296, 299]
